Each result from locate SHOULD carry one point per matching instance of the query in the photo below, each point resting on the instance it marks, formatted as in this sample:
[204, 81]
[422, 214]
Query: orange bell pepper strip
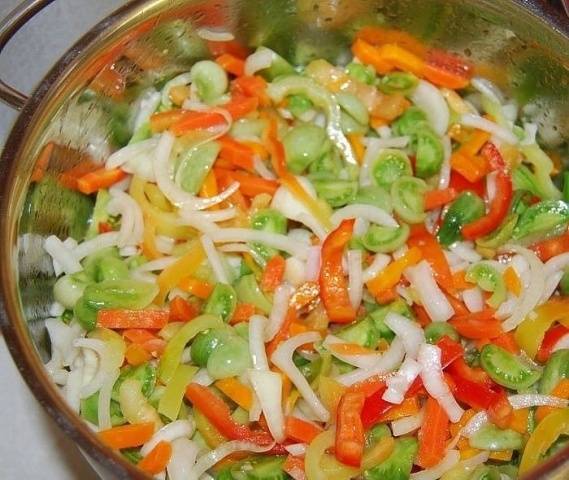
[162, 121]
[251, 86]
[136, 355]
[433, 253]
[350, 439]
[390, 275]
[512, 281]
[333, 285]
[138, 335]
[236, 391]
[460, 282]
[157, 460]
[209, 187]
[127, 436]
[432, 435]
[249, 185]
[386, 296]
[219, 415]
[197, 287]
[122, 318]
[181, 310]
[438, 198]
[478, 325]
[243, 312]
[409, 406]
[231, 64]
[561, 390]
[380, 36]
[69, 178]
[283, 333]
[294, 467]
[191, 120]
[273, 274]
[551, 248]
[466, 160]
[237, 153]
[102, 178]
[300, 430]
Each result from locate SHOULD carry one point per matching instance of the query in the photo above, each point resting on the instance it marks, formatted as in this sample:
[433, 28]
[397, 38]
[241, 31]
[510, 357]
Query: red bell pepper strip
[374, 407]
[333, 285]
[433, 253]
[499, 205]
[478, 325]
[300, 430]
[450, 350]
[460, 184]
[551, 337]
[552, 247]
[218, 413]
[350, 437]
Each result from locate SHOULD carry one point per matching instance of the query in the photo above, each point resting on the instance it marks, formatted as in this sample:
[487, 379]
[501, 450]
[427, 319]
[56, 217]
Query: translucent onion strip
[257, 325]
[355, 277]
[410, 332]
[398, 384]
[215, 260]
[169, 433]
[368, 212]
[281, 300]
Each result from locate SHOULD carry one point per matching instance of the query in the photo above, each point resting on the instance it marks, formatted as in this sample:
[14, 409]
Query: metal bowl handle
[15, 20]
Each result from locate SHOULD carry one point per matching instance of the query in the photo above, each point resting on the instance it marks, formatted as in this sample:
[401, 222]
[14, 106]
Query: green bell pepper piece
[408, 195]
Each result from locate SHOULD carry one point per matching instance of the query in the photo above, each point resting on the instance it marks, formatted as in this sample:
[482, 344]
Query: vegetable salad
[313, 271]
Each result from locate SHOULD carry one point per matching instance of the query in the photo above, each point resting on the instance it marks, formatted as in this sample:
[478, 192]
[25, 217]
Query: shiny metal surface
[518, 44]
[8, 28]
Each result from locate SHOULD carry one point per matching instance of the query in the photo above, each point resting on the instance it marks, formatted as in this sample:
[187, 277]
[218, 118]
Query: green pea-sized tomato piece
[382, 239]
[303, 145]
[408, 195]
[389, 166]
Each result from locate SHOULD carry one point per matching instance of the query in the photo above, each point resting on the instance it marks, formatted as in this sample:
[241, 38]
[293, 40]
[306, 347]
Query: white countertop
[32, 446]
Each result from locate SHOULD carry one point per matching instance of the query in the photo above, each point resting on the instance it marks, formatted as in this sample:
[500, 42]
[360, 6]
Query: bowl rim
[19, 344]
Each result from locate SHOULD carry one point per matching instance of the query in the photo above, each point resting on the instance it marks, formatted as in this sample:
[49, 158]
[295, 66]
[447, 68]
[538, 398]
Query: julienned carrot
[197, 287]
[42, 162]
[236, 391]
[273, 273]
[249, 185]
[122, 318]
[390, 275]
[239, 106]
[251, 86]
[224, 179]
[127, 436]
[231, 64]
[300, 430]
[181, 310]
[466, 160]
[242, 313]
[236, 152]
[102, 178]
[69, 178]
[432, 435]
[138, 335]
[136, 354]
[196, 120]
[162, 121]
[438, 198]
[157, 460]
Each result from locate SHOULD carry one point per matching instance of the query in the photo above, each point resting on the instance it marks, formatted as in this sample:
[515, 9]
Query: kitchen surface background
[32, 446]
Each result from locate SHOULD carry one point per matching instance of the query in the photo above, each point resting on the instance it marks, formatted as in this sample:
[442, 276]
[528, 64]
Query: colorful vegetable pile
[318, 271]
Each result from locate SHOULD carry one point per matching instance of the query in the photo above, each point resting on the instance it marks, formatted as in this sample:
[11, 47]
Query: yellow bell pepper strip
[236, 391]
[209, 433]
[562, 391]
[173, 352]
[173, 395]
[531, 331]
[149, 248]
[171, 276]
[320, 465]
[390, 275]
[378, 453]
[333, 285]
[545, 434]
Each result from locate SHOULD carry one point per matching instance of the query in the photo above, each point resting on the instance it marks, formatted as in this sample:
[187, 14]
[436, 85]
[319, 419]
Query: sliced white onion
[410, 332]
[62, 338]
[476, 121]
[390, 142]
[256, 409]
[202, 378]
[260, 59]
[473, 299]
[72, 389]
[104, 405]
[465, 251]
[296, 449]
[208, 460]
[131, 153]
[475, 460]
[104, 240]
[368, 212]
[532, 294]
[275, 240]
[198, 221]
[215, 260]
[295, 271]
[281, 300]
[268, 388]
[260, 167]
[553, 271]
[387, 362]
[432, 375]
[488, 89]
[282, 358]
[429, 99]
[214, 35]
[380, 261]
[62, 255]
[365, 360]
[405, 425]
[257, 325]
[235, 248]
[169, 433]
[313, 263]
[399, 383]
[491, 185]
[145, 105]
[444, 173]
[355, 277]
[132, 222]
[432, 298]
[184, 454]
[156, 265]
[451, 458]
[530, 129]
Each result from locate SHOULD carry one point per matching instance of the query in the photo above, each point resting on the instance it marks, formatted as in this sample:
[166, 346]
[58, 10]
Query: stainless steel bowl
[522, 45]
